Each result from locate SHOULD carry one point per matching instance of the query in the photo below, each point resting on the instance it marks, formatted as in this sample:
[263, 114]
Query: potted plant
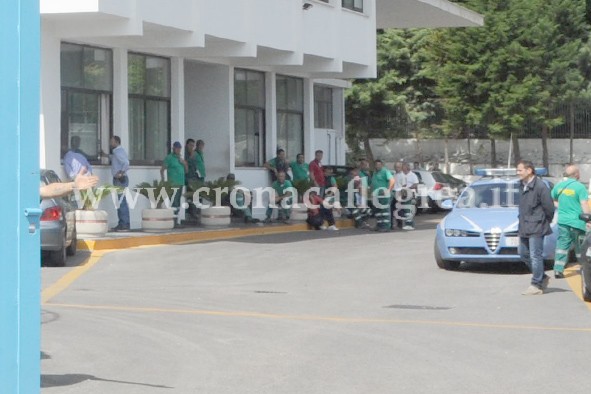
[90, 221]
[159, 217]
[212, 194]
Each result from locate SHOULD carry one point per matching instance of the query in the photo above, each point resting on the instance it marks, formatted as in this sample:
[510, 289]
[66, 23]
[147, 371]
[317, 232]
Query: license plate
[512, 241]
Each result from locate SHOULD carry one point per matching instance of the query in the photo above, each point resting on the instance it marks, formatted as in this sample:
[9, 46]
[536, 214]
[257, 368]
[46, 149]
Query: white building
[245, 76]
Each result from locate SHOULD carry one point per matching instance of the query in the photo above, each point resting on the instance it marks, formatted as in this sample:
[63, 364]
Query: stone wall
[432, 151]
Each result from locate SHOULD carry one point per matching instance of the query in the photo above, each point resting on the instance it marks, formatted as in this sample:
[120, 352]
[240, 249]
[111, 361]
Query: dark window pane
[157, 77]
[136, 129]
[290, 133]
[98, 65]
[323, 107]
[82, 121]
[240, 86]
[281, 92]
[136, 67]
[71, 65]
[356, 5]
[156, 130]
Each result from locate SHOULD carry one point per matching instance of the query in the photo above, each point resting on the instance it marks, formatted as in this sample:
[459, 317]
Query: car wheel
[444, 264]
[585, 286]
[71, 250]
[433, 205]
[58, 257]
[585, 276]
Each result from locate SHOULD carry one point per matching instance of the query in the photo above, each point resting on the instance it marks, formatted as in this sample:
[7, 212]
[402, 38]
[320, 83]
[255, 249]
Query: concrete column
[177, 99]
[120, 99]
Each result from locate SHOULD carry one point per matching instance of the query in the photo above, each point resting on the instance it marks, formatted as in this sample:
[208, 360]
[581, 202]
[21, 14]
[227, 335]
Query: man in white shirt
[400, 180]
[119, 168]
[408, 185]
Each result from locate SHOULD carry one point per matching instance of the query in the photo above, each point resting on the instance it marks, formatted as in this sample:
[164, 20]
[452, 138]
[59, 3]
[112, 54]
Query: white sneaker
[332, 228]
[323, 227]
[533, 290]
[407, 227]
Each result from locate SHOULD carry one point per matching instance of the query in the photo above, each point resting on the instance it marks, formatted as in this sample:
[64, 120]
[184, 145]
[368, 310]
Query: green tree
[402, 98]
[514, 69]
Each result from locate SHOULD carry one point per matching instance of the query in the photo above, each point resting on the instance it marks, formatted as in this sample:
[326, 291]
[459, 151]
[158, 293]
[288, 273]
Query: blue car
[482, 225]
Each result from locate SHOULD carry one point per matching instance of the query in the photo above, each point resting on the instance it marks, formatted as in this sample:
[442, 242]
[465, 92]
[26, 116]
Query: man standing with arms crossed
[536, 211]
[119, 167]
[571, 198]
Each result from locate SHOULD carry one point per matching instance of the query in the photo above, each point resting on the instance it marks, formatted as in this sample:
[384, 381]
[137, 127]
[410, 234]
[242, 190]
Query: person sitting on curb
[318, 213]
[283, 198]
[239, 209]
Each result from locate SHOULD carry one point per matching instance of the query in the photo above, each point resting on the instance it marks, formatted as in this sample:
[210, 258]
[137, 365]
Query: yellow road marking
[189, 237]
[334, 319]
[70, 277]
[99, 247]
[573, 278]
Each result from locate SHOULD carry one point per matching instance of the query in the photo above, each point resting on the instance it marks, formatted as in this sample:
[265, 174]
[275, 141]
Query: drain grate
[419, 307]
[269, 292]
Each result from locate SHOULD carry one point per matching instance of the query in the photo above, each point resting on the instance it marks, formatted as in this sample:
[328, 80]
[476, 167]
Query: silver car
[58, 224]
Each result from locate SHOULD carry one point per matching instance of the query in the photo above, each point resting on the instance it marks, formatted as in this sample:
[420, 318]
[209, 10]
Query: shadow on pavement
[495, 268]
[48, 381]
[72, 261]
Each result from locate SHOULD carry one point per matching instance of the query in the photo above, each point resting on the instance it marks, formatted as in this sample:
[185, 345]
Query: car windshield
[440, 177]
[492, 195]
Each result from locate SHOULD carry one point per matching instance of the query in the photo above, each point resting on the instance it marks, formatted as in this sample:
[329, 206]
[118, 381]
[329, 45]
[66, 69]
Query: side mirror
[447, 204]
[586, 217]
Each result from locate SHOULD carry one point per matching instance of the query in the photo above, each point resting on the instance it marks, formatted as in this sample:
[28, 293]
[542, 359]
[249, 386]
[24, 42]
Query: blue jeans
[123, 210]
[530, 251]
[176, 201]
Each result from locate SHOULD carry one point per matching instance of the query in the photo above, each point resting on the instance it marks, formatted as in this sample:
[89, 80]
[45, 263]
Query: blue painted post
[19, 160]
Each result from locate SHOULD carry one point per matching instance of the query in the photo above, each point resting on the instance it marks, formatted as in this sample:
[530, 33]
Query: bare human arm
[81, 182]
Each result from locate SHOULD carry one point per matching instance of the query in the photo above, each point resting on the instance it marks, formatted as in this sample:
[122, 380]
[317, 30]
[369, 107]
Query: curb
[189, 237]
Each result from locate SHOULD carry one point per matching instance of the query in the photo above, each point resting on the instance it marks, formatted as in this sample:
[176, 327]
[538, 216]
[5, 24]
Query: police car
[482, 225]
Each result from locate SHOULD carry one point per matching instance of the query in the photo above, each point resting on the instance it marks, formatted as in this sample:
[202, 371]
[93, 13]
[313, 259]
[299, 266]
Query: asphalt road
[315, 312]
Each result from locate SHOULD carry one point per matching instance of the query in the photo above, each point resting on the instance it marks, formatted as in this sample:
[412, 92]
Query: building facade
[245, 76]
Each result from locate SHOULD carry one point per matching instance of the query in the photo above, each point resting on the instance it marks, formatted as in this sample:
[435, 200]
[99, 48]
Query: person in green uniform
[359, 209]
[382, 183]
[283, 195]
[300, 169]
[191, 175]
[175, 167]
[364, 171]
[277, 164]
[571, 197]
[240, 208]
[199, 147]
[191, 159]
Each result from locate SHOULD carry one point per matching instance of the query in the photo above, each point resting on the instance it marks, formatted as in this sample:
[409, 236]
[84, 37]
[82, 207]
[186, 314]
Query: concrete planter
[299, 213]
[91, 224]
[157, 220]
[215, 216]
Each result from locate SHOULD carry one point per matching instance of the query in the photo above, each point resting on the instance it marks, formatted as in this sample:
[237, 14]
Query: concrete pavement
[309, 312]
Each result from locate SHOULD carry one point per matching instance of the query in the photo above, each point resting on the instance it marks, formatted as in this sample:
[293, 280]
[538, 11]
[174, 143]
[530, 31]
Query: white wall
[479, 152]
[207, 114]
[50, 116]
